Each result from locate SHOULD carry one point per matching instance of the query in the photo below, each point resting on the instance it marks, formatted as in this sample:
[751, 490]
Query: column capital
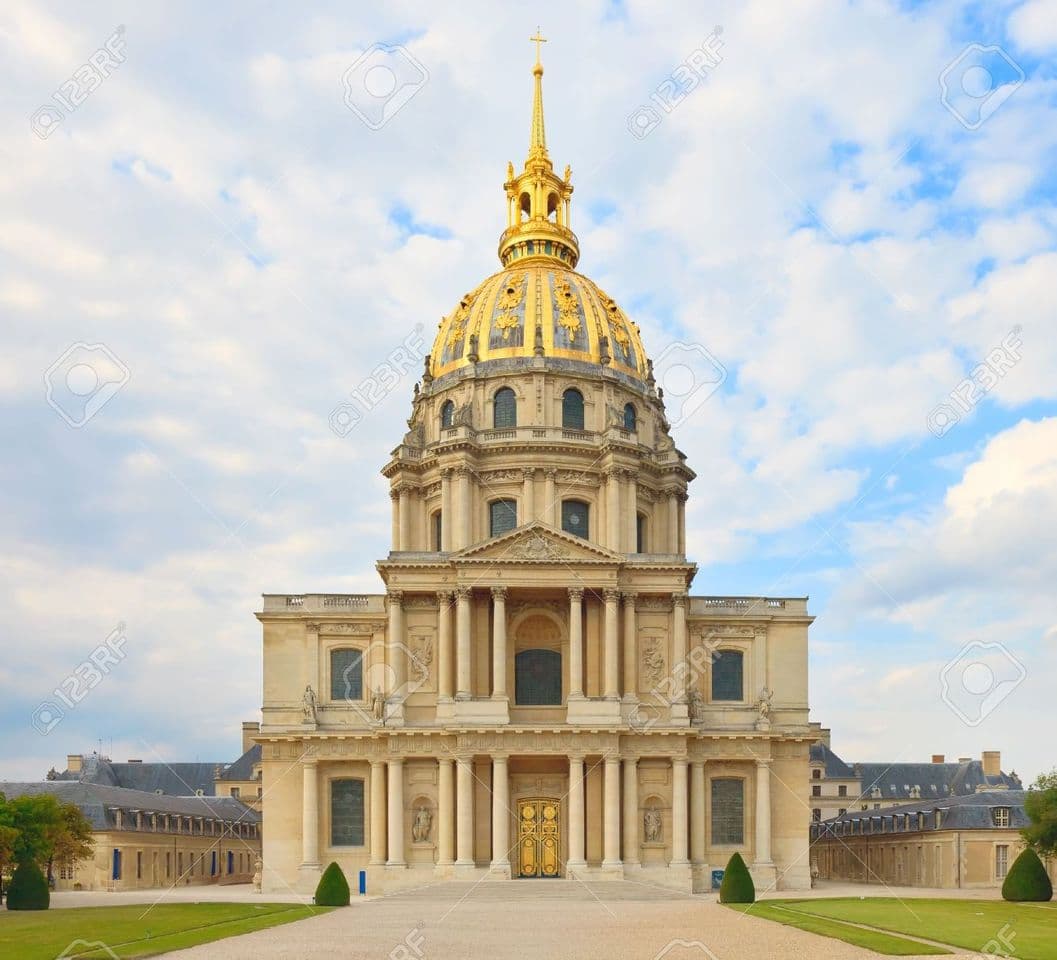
[395, 596]
[631, 598]
[376, 763]
[610, 595]
[309, 762]
[499, 757]
[464, 593]
[576, 758]
[551, 473]
[762, 763]
[576, 594]
[499, 593]
[446, 473]
[394, 493]
[528, 473]
[394, 761]
[679, 599]
[444, 596]
[679, 761]
[464, 758]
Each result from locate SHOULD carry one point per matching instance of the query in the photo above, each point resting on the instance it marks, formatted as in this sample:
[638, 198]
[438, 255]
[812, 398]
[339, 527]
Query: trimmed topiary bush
[332, 889]
[28, 889]
[1027, 879]
[737, 885]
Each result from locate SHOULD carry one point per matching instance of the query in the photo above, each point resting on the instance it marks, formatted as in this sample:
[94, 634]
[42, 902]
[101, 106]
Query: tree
[737, 885]
[46, 830]
[68, 838]
[1027, 879]
[333, 888]
[8, 836]
[1040, 804]
[28, 889]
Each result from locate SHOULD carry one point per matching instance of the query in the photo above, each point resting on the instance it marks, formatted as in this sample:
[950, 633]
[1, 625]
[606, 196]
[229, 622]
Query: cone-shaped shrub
[737, 886]
[1027, 879]
[28, 889]
[333, 888]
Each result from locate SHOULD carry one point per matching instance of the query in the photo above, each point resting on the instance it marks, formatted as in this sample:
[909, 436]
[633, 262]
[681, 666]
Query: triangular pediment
[537, 543]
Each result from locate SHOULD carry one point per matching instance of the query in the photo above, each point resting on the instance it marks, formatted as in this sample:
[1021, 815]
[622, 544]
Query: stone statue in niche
[310, 705]
[378, 705]
[763, 708]
[422, 825]
[695, 705]
[258, 875]
[652, 826]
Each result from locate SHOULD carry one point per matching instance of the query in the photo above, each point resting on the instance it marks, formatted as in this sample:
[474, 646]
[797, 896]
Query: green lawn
[1027, 931]
[136, 931]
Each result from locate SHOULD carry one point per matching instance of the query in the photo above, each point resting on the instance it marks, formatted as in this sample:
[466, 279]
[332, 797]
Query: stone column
[499, 643]
[528, 495]
[394, 496]
[631, 505]
[500, 815]
[379, 813]
[697, 811]
[446, 518]
[613, 537]
[551, 508]
[462, 639]
[682, 523]
[611, 813]
[631, 653]
[679, 663]
[396, 644]
[576, 814]
[444, 644]
[576, 651]
[462, 527]
[464, 811]
[396, 813]
[631, 811]
[310, 814]
[763, 811]
[445, 810]
[679, 811]
[673, 523]
[612, 654]
[405, 518]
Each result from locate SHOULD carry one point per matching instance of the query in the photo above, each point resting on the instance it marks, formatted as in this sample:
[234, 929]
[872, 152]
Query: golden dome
[538, 306]
[541, 309]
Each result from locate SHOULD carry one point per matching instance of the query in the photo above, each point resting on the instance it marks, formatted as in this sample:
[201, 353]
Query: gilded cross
[538, 39]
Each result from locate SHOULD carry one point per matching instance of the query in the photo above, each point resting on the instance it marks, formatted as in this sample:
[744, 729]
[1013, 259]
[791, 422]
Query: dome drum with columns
[536, 694]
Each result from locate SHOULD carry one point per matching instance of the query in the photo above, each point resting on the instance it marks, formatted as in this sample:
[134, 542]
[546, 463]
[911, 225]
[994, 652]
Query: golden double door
[539, 837]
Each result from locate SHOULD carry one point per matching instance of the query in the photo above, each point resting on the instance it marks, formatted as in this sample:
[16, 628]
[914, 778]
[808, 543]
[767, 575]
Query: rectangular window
[502, 516]
[727, 670]
[575, 518]
[438, 531]
[816, 790]
[346, 813]
[139, 865]
[346, 674]
[842, 791]
[1001, 861]
[1001, 816]
[235, 792]
[728, 811]
[816, 774]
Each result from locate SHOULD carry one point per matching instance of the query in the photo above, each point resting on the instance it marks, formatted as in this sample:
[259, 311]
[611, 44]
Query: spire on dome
[537, 138]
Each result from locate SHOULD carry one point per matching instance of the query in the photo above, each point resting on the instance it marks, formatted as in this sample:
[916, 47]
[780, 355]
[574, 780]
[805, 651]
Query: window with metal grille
[728, 811]
[447, 414]
[573, 410]
[346, 674]
[346, 813]
[502, 516]
[575, 517]
[504, 413]
[727, 675]
[538, 678]
[630, 418]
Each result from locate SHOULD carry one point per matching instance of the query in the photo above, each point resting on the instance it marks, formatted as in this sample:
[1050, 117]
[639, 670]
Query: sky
[217, 220]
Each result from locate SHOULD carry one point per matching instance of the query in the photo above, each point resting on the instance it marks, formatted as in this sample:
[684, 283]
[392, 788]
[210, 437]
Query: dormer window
[1000, 816]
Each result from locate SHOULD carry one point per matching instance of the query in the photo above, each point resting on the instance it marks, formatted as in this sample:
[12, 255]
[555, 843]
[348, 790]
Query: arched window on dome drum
[727, 670]
[447, 414]
[552, 207]
[502, 516]
[575, 515]
[630, 419]
[526, 204]
[538, 678]
[504, 413]
[573, 409]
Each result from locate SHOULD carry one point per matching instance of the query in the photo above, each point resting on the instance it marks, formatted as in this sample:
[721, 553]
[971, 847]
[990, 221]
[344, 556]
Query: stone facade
[536, 693]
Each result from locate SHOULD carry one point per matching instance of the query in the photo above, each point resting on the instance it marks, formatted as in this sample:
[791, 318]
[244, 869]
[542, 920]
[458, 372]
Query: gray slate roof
[836, 768]
[936, 781]
[174, 779]
[972, 812]
[97, 801]
[242, 769]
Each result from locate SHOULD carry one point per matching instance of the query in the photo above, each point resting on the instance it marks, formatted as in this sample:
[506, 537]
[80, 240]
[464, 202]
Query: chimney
[965, 759]
[992, 761]
[250, 729]
[74, 762]
[134, 761]
[938, 758]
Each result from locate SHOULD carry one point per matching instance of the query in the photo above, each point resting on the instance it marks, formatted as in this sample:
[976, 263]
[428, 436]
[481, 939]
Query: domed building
[536, 694]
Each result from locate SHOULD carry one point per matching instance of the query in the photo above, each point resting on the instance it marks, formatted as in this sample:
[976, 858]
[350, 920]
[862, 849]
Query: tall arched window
[573, 410]
[447, 414]
[504, 413]
[502, 516]
[630, 418]
[727, 675]
[575, 514]
[538, 678]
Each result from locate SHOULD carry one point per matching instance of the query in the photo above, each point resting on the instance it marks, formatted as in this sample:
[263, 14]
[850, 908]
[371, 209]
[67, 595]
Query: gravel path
[528, 919]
